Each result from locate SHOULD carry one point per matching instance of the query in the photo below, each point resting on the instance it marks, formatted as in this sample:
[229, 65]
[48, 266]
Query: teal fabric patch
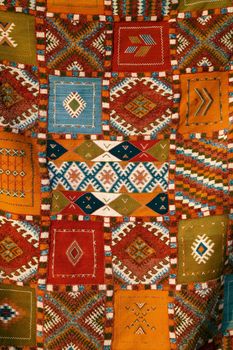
[228, 303]
[74, 105]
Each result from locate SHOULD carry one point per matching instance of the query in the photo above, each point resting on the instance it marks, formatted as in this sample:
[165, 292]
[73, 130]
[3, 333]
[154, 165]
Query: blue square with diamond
[74, 105]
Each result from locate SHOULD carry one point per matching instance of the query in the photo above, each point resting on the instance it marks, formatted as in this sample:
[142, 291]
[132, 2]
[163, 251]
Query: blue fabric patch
[228, 303]
[74, 105]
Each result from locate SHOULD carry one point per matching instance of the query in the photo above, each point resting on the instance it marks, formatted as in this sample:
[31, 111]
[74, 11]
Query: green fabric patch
[201, 248]
[190, 5]
[17, 38]
[17, 316]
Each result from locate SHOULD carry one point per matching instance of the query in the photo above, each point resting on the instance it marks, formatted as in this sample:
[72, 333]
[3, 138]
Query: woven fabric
[116, 186]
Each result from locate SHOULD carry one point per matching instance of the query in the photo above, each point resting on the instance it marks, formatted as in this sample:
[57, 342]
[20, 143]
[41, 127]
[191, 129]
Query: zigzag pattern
[109, 176]
[195, 317]
[201, 177]
[124, 8]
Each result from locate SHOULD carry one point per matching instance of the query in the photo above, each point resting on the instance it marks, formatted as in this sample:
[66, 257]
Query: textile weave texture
[116, 185]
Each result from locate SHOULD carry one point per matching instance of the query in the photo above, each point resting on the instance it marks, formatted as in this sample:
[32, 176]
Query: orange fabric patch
[90, 7]
[204, 102]
[141, 320]
[19, 175]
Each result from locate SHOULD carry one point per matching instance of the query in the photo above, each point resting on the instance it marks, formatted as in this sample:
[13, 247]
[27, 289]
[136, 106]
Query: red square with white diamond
[76, 253]
[141, 47]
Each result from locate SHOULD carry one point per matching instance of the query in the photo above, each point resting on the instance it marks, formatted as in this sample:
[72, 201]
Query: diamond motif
[9, 250]
[89, 203]
[74, 104]
[202, 249]
[8, 95]
[74, 253]
[7, 313]
[139, 250]
[140, 106]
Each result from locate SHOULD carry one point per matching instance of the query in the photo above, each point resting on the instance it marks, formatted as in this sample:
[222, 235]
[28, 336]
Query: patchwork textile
[116, 186]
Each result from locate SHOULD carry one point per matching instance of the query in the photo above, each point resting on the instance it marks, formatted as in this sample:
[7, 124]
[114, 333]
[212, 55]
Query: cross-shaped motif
[5, 38]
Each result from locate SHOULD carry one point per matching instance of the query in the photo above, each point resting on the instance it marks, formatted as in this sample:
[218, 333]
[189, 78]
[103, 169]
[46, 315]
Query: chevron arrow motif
[205, 102]
[141, 45]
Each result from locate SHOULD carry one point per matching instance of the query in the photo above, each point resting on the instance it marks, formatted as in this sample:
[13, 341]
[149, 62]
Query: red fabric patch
[76, 253]
[141, 47]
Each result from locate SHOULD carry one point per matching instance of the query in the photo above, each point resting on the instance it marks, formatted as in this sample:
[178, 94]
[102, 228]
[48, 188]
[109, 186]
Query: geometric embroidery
[19, 173]
[139, 250]
[143, 8]
[204, 101]
[104, 150]
[19, 243]
[140, 253]
[7, 313]
[17, 38]
[138, 319]
[75, 105]
[9, 250]
[195, 317]
[201, 176]
[141, 47]
[204, 41]
[74, 320]
[110, 204]
[202, 249]
[76, 253]
[140, 106]
[75, 46]
[5, 34]
[18, 97]
[108, 176]
[17, 316]
[201, 252]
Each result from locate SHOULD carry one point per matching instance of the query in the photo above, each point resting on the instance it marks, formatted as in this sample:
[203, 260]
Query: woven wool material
[116, 186]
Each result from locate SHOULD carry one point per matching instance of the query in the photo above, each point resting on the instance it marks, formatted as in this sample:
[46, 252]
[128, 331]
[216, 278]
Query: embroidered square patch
[141, 318]
[74, 320]
[140, 253]
[17, 37]
[201, 248]
[75, 105]
[194, 316]
[71, 6]
[141, 47]
[227, 323]
[19, 253]
[140, 106]
[20, 178]
[75, 45]
[19, 90]
[204, 102]
[76, 253]
[17, 316]
[204, 41]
